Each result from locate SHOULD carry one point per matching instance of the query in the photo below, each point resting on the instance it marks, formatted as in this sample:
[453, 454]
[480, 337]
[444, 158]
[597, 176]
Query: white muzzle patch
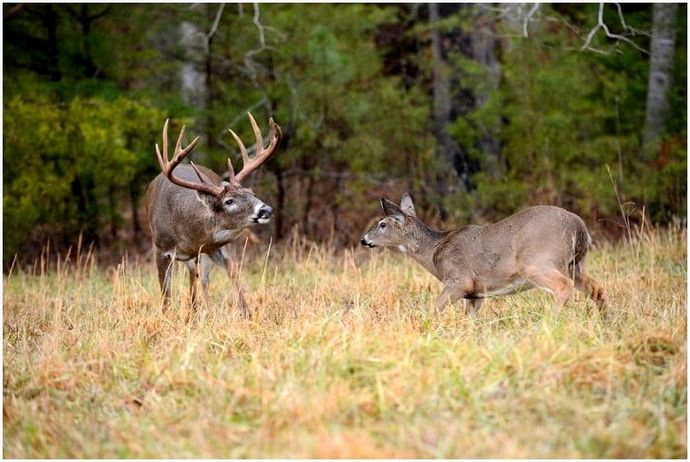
[367, 242]
[258, 216]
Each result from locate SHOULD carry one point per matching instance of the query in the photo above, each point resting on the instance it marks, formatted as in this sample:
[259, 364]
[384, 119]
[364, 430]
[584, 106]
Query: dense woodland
[476, 109]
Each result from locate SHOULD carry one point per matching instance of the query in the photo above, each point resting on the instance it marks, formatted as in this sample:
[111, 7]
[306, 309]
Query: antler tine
[243, 150]
[231, 171]
[168, 166]
[275, 133]
[257, 134]
[165, 140]
[178, 143]
[262, 154]
[161, 161]
[203, 178]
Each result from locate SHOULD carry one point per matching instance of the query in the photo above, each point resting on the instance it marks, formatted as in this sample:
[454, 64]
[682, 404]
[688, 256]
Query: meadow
[343, 358]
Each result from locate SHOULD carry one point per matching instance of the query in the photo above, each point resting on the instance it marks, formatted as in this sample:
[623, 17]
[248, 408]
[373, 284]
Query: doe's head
[391, 230]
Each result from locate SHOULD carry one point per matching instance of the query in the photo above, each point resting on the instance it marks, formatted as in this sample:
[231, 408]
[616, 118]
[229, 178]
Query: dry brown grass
[343, 359]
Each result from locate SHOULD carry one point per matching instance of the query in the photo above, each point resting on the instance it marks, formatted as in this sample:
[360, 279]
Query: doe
[542, 246]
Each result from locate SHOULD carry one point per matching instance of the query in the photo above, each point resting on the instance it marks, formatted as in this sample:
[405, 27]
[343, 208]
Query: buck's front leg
[199, 269]
[233, 274]
[164, 265]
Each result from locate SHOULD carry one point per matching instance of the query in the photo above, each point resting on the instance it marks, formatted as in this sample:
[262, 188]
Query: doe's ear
[392, 210]
[407, 206]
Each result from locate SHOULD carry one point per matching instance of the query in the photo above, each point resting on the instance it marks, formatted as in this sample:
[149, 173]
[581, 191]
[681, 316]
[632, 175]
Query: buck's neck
[421, 243]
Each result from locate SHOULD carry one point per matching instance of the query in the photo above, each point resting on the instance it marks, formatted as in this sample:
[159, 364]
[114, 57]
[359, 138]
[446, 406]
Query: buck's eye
[229, 201]
[382, 225]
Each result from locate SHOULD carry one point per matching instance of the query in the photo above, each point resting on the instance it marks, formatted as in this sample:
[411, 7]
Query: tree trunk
[51, 23]
[193, 81]
[484, 42]
[660, 75]
[447, 148]
[441, 110]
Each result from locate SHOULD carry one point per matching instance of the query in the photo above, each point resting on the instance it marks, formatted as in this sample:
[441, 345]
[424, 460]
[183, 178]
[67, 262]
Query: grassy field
[344, 359]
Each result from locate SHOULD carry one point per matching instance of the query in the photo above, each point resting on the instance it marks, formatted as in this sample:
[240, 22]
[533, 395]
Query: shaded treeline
[476, 109]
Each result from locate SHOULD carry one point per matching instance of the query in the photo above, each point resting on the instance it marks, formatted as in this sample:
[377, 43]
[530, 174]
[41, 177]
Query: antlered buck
[193, 214]
[541, 246]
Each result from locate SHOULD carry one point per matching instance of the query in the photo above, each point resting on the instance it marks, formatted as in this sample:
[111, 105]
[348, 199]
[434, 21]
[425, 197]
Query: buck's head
[395, 227]
[233, 206]
[236, 207]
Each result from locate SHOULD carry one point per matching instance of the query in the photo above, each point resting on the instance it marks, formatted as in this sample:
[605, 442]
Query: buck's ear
[407, 206]
[392, 210]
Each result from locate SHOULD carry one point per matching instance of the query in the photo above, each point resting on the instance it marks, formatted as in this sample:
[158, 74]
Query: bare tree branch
[259, 26]
[601, 25]
[627, 27]
[528, 18]
[214, 26]
[250, 65]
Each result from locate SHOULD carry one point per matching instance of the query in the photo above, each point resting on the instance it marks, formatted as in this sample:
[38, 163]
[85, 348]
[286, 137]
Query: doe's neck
[421, 241]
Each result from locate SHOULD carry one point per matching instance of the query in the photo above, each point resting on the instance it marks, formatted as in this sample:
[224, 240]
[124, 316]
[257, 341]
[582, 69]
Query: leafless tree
[660, 74]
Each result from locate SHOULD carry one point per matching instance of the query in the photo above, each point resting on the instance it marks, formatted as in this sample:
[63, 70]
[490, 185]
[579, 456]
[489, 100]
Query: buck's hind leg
[164, 265]
[233, 274]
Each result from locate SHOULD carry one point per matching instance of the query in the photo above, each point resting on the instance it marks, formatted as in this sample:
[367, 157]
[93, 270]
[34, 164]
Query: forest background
[476, 109]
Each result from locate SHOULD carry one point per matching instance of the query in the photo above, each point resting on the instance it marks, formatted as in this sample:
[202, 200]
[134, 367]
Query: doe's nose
[265, 212]
[362, 241]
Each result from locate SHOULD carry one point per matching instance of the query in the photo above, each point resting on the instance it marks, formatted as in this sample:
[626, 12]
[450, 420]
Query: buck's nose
[366, 242]
[265, 212]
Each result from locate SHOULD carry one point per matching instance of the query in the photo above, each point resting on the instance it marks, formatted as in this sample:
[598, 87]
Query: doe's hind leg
[473, 305]
[553, 281]
[584, 283]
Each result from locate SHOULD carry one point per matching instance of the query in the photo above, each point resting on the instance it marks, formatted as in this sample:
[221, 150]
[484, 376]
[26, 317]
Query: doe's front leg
[452, 293]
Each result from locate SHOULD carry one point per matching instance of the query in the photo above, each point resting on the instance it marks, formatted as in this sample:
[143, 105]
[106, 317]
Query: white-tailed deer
[192, 213]
[541, 246]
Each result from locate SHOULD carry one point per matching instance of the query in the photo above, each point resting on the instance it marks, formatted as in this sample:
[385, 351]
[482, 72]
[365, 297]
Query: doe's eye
[382, 225]
[229, 201]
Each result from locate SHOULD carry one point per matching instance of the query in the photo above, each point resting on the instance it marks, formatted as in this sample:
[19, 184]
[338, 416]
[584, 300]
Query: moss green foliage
[567, 117]
[87, 87]
[67, 165]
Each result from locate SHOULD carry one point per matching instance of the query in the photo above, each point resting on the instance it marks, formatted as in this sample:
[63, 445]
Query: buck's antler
[249, 164]
[167, 166]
